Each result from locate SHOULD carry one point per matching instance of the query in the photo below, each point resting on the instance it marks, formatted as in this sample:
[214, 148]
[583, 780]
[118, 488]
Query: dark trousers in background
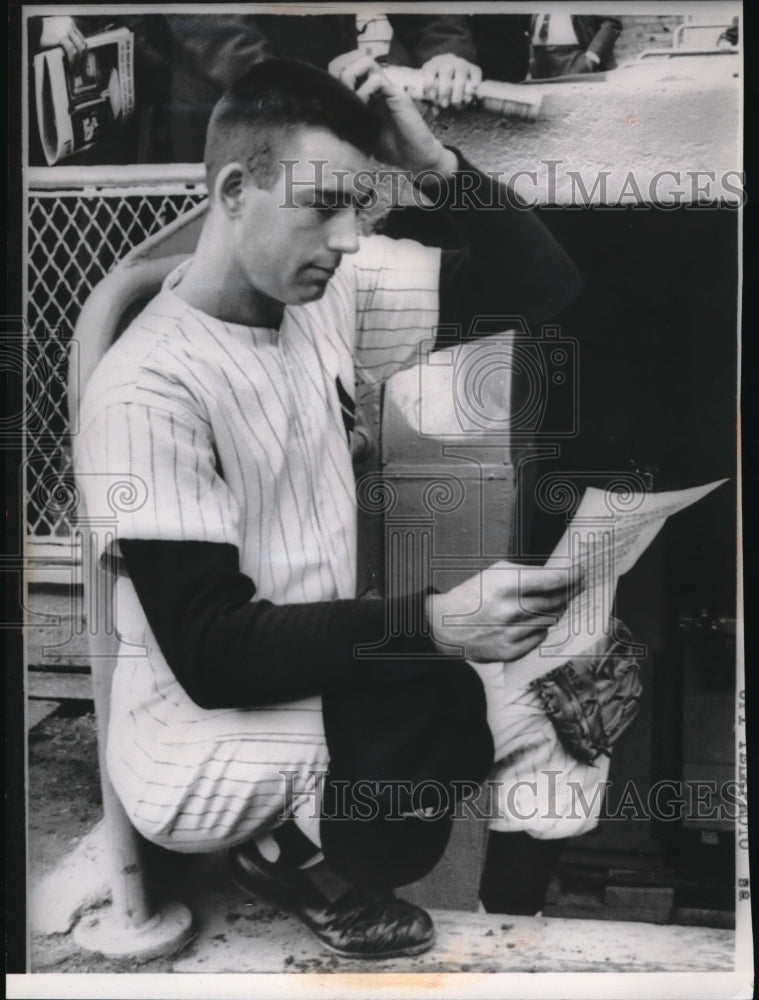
[558, 60]
[518, 869]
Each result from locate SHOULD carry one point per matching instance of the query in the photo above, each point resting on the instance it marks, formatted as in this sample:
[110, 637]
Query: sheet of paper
[606, 537]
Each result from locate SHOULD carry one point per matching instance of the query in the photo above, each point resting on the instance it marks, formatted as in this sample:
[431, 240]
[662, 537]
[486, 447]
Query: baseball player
[229, 400]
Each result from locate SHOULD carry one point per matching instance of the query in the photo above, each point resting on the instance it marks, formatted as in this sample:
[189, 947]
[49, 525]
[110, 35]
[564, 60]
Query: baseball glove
[591, 701]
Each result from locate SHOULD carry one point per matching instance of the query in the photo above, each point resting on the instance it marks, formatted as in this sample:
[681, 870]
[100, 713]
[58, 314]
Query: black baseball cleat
[363, 924]
[360, 924]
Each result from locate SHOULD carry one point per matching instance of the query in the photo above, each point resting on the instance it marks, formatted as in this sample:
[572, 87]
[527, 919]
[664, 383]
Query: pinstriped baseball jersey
[240, 431]
[240, 436]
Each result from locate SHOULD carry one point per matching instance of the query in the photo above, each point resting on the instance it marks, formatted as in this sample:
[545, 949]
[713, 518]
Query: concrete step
[238, 934]
[242, 936]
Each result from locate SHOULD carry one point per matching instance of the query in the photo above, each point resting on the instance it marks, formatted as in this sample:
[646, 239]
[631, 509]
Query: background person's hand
[62, 30]
[591, 62]
[406, 140]
[449, 79]
[501, 613]
[344, 61]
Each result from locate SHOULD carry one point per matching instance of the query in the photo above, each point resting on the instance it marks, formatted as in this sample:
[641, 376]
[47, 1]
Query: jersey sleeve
[152, 473]
[397, 304]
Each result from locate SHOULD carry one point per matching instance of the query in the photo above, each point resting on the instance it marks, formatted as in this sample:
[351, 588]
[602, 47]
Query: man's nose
[343, 232]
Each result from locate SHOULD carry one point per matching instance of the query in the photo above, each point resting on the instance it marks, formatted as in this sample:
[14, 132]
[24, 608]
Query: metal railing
[698, 35]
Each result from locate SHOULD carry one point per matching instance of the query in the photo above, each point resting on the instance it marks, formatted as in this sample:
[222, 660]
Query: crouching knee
[401, 760]
[428, 727]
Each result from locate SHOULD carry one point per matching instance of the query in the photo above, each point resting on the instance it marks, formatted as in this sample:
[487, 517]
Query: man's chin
[315, 290]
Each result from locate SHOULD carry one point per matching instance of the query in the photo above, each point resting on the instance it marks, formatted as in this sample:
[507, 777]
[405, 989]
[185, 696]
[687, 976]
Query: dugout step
[238, 934]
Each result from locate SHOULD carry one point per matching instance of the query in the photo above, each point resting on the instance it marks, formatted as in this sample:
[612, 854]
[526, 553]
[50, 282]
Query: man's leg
[400, 753]
[207, 794]
[397, 746]
[517, 872]
[542, 796]
[195, 795]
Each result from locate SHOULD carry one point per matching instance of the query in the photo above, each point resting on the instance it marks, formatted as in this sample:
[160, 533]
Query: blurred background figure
[184, 62]
[568, 44]
[729, 37]
[455, 52]
[182, 65]
[207, 53]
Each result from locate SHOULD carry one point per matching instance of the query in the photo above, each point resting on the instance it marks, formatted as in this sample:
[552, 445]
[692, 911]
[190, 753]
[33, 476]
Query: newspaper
[80, 103]
[606, 537]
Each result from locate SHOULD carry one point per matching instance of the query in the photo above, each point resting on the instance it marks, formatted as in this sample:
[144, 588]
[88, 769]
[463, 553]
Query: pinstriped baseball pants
[231, 789]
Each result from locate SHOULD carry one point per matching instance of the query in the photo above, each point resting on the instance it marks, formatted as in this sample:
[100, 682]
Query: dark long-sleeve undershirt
[228, 649]
[499, 259]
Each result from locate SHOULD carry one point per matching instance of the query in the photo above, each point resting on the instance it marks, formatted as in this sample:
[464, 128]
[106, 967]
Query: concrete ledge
[241, 936]
[238, 935]
[615, 140]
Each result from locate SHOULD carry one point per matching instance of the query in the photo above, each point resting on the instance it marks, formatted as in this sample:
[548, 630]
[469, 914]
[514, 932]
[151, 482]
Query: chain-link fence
[76, 233]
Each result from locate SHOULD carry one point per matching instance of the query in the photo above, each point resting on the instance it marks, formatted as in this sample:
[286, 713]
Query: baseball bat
[509, 99]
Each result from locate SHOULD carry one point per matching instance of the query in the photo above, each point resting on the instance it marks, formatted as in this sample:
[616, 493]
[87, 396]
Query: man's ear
[230, 188]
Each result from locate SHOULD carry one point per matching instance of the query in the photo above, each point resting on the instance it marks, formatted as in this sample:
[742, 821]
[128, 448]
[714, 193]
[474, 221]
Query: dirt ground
[63, 787]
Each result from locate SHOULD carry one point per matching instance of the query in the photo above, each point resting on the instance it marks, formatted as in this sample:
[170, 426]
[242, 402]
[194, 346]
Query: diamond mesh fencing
[74, 239]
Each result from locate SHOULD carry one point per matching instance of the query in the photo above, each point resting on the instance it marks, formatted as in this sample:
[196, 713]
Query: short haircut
[252, 119]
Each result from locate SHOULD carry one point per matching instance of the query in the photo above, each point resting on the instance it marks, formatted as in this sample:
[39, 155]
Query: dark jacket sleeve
[218, 48]
[598, 35]
[422, 36]
[228, 649]
[510, 264]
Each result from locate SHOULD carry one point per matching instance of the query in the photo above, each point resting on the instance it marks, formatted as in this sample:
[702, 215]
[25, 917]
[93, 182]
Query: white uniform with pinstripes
[238, 435]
